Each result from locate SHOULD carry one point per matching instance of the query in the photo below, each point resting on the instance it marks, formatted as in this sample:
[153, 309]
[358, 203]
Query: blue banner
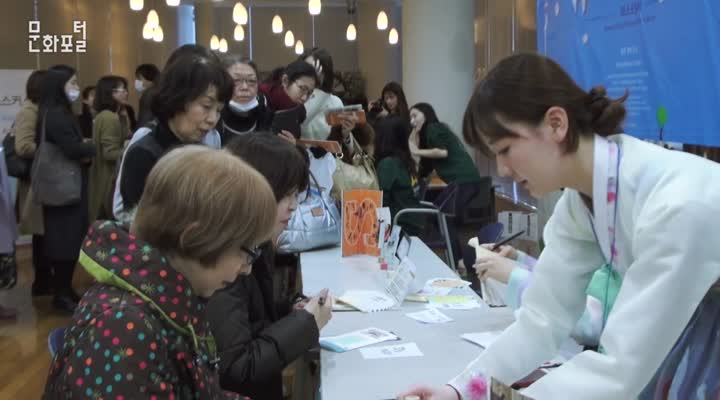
[666, 53]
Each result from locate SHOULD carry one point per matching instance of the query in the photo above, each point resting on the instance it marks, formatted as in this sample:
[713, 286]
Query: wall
[114, 37]
[378, 60]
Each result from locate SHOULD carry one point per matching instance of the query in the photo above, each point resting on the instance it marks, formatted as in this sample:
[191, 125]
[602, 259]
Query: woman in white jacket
[315, 127]
[644, 211]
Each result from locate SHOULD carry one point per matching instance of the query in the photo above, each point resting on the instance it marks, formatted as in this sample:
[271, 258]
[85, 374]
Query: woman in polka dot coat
[140, 331]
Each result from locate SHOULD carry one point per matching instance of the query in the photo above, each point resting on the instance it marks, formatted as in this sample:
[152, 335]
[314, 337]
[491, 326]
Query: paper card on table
[482, 339]
[340, 306]
[389, 251]
[384, 229]
[453, 302]
[368, 300]
[401, 280]
[356, 339]
[430, 316]
[393, 351]
[360, 222]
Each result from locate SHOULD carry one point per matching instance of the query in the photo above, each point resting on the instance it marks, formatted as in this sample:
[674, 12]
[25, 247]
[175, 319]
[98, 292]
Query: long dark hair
[426, 164]
[53, 87]
[104, 99]
[522, 87]
[402, 105]
[86, 109]
[391, 140]
[33, 87]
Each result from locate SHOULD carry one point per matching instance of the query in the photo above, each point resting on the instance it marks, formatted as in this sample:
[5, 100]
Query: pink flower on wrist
[477, 387]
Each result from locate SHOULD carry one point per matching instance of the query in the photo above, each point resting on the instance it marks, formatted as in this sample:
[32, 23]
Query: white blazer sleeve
[552, 304]
[676, 261]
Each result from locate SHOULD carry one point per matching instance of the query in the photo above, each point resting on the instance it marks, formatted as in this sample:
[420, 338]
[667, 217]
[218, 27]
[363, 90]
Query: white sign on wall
[12, 94]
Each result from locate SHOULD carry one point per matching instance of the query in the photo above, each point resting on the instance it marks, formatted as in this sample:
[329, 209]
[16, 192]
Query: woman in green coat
[110, 130]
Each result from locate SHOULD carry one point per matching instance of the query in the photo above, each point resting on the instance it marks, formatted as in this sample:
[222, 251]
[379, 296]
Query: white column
[186, 24]
[438, 56]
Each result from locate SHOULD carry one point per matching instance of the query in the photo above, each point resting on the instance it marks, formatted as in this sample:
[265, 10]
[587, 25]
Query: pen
[505, 241]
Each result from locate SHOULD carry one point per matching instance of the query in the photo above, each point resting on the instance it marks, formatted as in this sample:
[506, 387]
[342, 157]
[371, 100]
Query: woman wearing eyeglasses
[140, 332]
[248, 110]
[289, 88]
[257, 335]
[110, 130]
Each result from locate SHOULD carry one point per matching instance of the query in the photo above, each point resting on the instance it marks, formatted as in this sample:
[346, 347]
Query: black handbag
[17, 166]
[56, 180]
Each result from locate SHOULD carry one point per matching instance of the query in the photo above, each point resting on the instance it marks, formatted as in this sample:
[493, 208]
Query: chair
[55, 340]
[441, 208]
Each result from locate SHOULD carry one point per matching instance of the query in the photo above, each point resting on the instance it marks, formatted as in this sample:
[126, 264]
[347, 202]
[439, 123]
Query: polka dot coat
[138, 333]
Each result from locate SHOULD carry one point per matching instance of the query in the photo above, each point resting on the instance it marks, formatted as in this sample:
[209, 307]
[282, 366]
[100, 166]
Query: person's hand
[348, 124]
[288, 136]
[383, 113]
[495, 266]
[319, 71]
[504, 250]
[321, 312]
[430, 393]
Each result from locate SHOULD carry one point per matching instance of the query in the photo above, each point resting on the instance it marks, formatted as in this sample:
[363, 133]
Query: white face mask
[73, 95]
[139, 85]
[243, 108]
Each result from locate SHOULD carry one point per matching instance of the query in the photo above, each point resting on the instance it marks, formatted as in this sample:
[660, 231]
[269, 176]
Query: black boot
[64, 302]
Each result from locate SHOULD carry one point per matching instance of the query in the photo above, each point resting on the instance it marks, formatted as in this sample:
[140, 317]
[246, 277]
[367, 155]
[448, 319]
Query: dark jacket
[254, 339]
[233, 123]
[65, 226]
[138, 333]
[145, 114]
[140, 158]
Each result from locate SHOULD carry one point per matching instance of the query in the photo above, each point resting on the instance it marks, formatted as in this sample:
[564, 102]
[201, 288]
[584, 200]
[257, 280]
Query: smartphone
[287, 120]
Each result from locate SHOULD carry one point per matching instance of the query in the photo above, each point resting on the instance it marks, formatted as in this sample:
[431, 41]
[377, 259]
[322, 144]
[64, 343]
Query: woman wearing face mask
[145, 76]
[315, 126]
[392, 102]
[248, 110]
[65, 226]
[187, 104]
[257, 335]
[140, 332]
[627, 205]
[109, 135]
[290, 87]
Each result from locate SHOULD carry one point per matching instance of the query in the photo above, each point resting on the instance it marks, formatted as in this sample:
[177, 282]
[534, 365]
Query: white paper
[367, 300]
[356, 339]
[401, 280]
[430, 316]
[384, 223]
[493, 292]
[394, 351]
[482, 339]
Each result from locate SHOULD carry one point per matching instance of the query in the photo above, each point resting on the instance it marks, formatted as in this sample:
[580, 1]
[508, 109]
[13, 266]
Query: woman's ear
[557, 119]
[183, 239]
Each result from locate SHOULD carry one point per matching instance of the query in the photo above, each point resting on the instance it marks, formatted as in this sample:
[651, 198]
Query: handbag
[315, 223]
[358, 175]
[8, 271]
[17, 166]
[56, 180]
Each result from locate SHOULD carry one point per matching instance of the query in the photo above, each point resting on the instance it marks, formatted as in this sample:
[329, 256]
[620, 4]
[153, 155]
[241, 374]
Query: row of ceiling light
[153, 30]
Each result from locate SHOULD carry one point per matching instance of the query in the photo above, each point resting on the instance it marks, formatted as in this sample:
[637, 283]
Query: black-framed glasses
[253, 254]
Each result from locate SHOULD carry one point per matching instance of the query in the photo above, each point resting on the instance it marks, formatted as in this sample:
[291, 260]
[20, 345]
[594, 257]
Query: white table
[347, 376]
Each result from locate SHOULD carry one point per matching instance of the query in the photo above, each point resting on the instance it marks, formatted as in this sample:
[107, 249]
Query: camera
[378, 106]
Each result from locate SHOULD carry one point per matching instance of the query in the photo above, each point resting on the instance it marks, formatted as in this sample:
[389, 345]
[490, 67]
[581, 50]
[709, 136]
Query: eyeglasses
[247, 81]
[304, 89]
[253, 254]
[120, 90]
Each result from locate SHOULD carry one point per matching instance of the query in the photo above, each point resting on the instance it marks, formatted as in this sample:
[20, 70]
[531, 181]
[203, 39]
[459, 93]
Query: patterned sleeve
[124, 356]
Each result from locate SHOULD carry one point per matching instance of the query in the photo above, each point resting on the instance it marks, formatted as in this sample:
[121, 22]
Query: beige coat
[31, 219]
